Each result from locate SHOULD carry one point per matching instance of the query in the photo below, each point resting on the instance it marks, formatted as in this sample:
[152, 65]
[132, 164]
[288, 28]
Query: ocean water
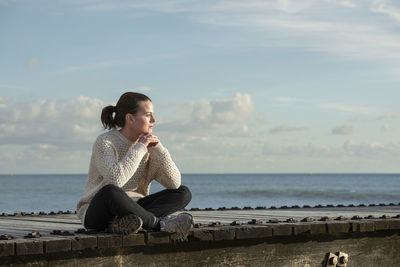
[61, 192]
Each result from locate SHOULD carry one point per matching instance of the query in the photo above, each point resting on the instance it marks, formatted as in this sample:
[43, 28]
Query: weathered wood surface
[372, 238]
[19, 226]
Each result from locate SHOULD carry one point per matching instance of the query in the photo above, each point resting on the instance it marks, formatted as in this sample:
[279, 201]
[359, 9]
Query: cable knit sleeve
[168, 173]
[115, 171]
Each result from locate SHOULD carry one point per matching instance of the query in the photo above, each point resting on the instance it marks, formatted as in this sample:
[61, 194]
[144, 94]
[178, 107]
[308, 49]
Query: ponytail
[107, 117]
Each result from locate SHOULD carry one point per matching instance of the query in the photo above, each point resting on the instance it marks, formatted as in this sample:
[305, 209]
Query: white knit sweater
[132, 167]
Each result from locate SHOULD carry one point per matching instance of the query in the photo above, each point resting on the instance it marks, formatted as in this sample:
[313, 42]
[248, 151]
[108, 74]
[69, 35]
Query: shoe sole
[125, 225]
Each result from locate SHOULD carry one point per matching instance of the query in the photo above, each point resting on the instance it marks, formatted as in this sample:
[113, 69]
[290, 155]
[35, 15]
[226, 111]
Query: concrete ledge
[253, 232]
[301, 228]
[153, 238]
[133, 240]
[7, 248]
[338, 227]
[224, 233]
[286, 234]
[282, 230]
[202, 235]
[52, 244]
[29, 247]
[109, 241]
[82, 242]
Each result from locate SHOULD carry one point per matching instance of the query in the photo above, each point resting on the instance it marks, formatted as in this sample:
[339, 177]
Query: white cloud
[217, 118]
[142, 89]
[285, 128]
[371, 149]
[227, 111]
[386, 7]
[4, 102]
[290, 100]
[386, 128]
[355, 31]
[310, 25]
[343, 3]
[344, 130]
[309, 150]
[391, 115]
[349, 149]
[50, 121]
[348, 108]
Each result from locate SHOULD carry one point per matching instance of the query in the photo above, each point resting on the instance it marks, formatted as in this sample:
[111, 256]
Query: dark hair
[127, 103]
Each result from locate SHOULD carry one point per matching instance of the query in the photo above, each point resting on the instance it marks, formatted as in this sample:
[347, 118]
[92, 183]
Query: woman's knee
[186, 194]
[110, 189]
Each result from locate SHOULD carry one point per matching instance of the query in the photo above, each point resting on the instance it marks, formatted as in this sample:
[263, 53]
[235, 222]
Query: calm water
[61, 192]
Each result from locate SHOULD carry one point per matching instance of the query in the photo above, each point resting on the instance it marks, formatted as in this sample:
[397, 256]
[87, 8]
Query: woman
[124, 162]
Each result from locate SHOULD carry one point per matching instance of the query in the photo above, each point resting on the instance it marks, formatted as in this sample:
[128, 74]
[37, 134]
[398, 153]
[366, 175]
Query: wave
[312, 194]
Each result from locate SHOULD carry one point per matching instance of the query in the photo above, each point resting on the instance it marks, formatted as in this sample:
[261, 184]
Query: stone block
[7, 248]
[202, 235]
[133, 240]
[253, 232]
[224, 233]
[317, 228]
[157, 238]
[338, 227]
[81, 242]
[362, 226]
[52, 245]
[381, 225]
[109, 241]
[282, 230]
[29, 247]
[301, 228]
[394, 224]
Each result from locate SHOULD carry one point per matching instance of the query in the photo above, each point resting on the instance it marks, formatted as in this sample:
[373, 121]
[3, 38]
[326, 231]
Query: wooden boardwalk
[238, 237]
[20, 226]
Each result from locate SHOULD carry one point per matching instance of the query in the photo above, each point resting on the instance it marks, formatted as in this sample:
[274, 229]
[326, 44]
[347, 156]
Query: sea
[55, 192]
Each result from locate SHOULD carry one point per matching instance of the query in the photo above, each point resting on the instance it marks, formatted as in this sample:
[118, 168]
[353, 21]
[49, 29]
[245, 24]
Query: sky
[274, 86]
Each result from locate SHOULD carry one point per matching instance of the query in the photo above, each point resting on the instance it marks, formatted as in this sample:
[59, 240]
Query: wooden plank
[21, 225]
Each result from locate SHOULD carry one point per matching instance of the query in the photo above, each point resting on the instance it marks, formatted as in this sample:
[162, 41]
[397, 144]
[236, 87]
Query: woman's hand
[149, 140]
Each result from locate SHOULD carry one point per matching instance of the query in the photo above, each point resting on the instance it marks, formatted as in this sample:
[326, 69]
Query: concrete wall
[379, 248]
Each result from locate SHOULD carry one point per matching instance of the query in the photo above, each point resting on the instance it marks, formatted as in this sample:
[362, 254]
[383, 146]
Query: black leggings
[111, 201]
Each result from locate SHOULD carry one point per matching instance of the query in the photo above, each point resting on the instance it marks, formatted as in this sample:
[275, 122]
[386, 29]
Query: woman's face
[143, 121]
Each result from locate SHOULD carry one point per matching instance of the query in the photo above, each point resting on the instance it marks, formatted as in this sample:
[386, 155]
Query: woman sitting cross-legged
[124, 162]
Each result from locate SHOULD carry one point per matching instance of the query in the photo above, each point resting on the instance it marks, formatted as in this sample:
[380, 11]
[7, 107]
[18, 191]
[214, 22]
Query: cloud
[142, 89]
[344, 130]
[4, 102]
[50, 121]
[343, 3]
[303, 24]
[349, 149]
[290, 100]
[348, 108]
[234, 110]
[371, 149]
[222, 122]
[386, 128]
[309, 150]
[356, 30]
[386, 7]
[285, 128]
[32, 64]
[391, 115]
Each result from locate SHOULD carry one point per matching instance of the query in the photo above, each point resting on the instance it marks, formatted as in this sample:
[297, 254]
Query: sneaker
[181, 224]
[125, 225]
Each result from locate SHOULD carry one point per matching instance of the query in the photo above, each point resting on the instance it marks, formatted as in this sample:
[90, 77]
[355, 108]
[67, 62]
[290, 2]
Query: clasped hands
[149, 140]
